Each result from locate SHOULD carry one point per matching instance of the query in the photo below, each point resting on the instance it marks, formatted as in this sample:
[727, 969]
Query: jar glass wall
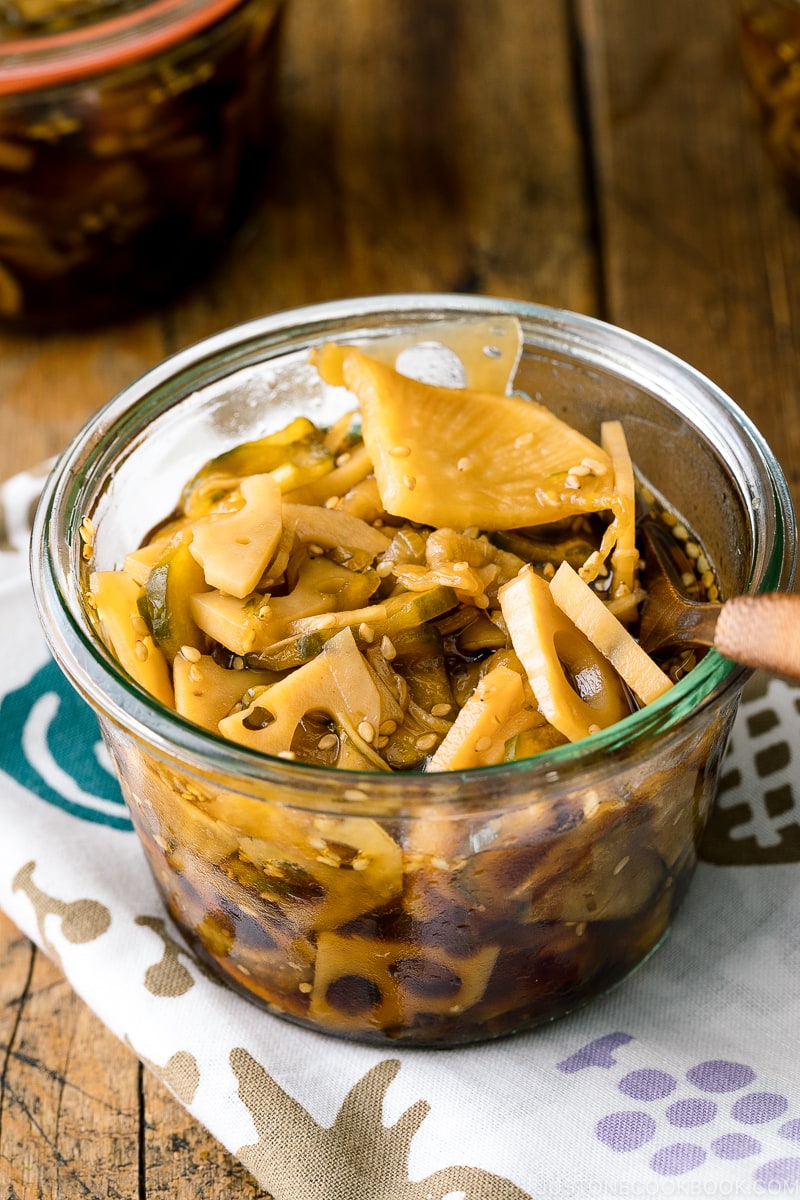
[125, 154]
[420, 909]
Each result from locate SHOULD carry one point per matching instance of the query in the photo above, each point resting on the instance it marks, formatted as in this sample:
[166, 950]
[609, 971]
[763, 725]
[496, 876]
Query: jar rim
[95, 673]
[33, 62]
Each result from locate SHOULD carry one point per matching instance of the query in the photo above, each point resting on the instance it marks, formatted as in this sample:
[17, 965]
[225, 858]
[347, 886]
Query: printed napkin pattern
[684, 1080]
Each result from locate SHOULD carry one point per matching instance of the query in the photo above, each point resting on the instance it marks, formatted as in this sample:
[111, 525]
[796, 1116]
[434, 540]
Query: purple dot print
[625, 1130]
[758, 1107]
[685, 1114]
[735, 1145]
[781, 1172]
[647, 1084]
[791, 1130]
[677, 1159]
[718, 1075]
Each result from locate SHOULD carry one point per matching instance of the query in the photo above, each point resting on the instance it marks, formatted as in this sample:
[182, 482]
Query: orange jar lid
[31, 60]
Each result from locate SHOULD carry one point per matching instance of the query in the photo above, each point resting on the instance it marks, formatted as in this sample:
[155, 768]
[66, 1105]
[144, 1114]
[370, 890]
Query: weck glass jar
[128, 136]
[411, 908]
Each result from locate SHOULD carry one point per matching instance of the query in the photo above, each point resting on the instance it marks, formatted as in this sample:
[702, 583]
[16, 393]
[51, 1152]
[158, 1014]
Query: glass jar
[127, 136]
[410, 908]
[769, 40]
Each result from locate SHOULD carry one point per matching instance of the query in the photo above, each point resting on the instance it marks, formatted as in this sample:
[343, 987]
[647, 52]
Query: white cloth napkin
[685, 1080]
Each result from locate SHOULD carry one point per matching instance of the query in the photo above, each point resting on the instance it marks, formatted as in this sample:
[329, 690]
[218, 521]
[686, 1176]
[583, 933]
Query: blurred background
[604, 156]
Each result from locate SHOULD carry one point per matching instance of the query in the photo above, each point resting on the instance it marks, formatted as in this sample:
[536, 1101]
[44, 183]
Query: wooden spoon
[760, 631]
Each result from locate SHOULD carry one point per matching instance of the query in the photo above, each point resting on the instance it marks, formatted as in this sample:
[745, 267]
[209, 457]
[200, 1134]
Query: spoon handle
[762, 632]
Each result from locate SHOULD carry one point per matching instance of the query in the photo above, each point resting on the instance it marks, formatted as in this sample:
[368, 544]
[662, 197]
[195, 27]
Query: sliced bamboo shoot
[585, 608]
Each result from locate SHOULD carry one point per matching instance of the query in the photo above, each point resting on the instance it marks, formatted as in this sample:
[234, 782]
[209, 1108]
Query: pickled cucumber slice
[116, 598]
[234, 548]
[585, 608]
[295, 455]
[174, 578]
[555, 653]
[456, 458]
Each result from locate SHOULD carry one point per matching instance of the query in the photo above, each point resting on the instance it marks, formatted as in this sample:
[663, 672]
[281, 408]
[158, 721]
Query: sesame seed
[242, 541]
[572, 483]
[366, 730]
[387, 648]
[190, 653]
[263, 612]
[593, 729]
[327, 741]
[139, 625]
[387, 728]
[427, 741]
[238, 663]
[481, 601]
[355, 794]
[581, 469]
[440, 710]
[400, 451]
[595, 466]
[623, 862]
[332, 502]
[524, 439]
[313, 548]
[482, 744]
[288, 754]
[360, 863]
[461, 566]
[380, 742]
[580, 928]
[194, 674]
[464, 464]
[141, 651]
[305, 988]
[343, 458]
[366, 633]
[384, 569]
[410, 482]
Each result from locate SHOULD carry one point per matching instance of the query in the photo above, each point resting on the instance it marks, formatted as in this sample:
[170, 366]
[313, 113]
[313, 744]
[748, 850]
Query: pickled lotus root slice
[368, 983]
[322, 871]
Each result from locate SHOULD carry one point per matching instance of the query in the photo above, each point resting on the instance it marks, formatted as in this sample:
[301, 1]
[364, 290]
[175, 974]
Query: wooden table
[598, 155]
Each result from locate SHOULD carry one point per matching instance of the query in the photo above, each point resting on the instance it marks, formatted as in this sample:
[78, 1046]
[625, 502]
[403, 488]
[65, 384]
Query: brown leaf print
[181, 1073]
[81, 920]
[169, 977]
[358, 1158]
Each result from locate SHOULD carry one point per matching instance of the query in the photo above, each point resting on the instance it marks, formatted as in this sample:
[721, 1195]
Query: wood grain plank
[701, 247]
[69, 1104]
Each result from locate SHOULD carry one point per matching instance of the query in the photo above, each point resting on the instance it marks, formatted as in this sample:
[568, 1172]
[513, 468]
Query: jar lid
[44, 45]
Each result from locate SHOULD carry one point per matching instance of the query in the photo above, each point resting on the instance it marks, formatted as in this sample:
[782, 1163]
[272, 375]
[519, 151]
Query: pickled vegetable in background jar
[128, 135]
[769, 40]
